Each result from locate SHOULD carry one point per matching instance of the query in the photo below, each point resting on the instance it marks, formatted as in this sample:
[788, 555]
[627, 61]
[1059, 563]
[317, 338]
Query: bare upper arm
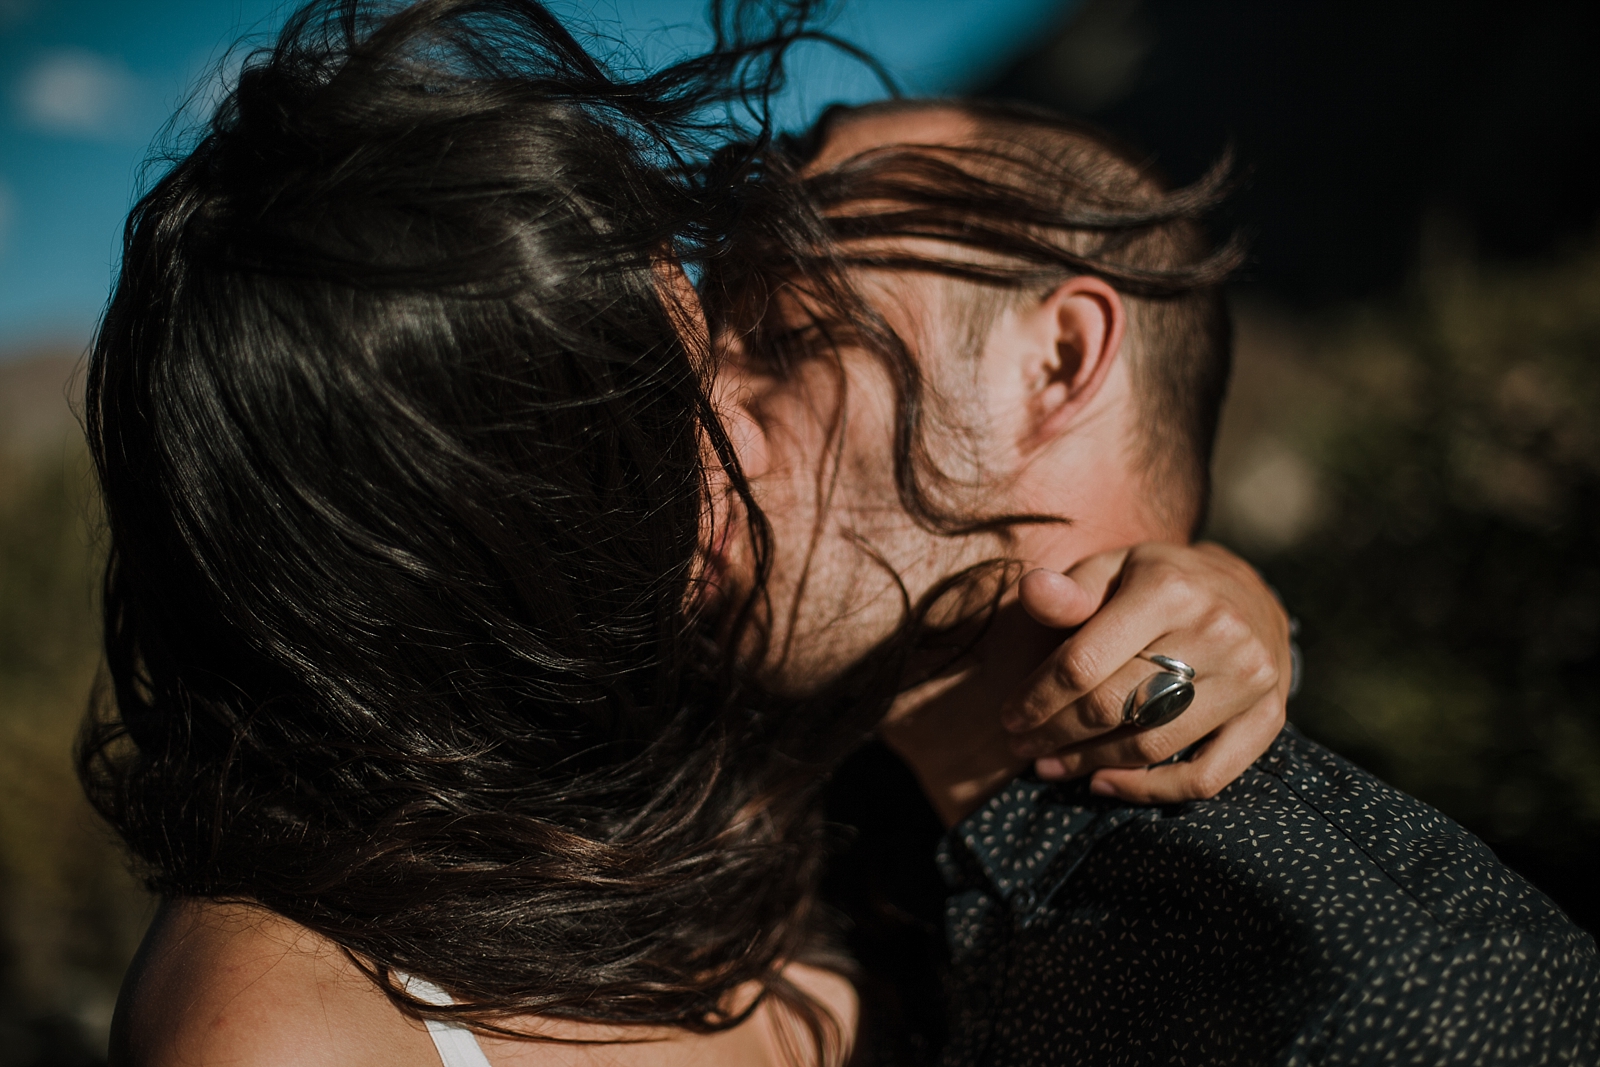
[219, 984]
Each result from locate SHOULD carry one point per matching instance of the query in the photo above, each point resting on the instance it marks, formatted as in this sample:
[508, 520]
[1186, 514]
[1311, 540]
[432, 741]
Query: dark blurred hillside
[1411, 451]
[1356, 121]
[70, 915]
[1420, 478]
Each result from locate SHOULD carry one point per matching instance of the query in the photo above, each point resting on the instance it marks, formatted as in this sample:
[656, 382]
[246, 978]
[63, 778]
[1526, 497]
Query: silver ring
[1158, 699]
[1170, 664]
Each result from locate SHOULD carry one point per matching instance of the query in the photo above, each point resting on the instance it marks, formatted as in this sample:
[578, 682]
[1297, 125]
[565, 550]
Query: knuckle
[1101, 709]
[1051, 733]
[1223, 626]
[1030, 712]
[1259, 669]
[1072, 764]
[1207, 782]
[1076, 670]
[1172, 577]
[1183, 584]
[1150, 748]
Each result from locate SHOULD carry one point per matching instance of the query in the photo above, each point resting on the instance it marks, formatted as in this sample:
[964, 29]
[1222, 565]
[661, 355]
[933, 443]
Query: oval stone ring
[1161, 697]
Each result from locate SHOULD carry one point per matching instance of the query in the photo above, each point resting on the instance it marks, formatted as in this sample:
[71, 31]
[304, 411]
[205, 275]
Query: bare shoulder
[231, 983]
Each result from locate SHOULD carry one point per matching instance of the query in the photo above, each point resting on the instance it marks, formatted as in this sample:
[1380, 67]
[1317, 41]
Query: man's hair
[1031, 199]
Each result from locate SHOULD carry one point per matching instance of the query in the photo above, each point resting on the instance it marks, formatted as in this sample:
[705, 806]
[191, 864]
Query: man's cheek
[749, 441]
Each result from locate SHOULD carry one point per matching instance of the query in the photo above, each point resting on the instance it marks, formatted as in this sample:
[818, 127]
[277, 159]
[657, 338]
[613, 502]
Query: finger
[1075, 741]
[1065, 600]
[1149, 604]
[1263, 611]
[1053, 599]
[1234, 746]
[1060, 601]
[1093, 715]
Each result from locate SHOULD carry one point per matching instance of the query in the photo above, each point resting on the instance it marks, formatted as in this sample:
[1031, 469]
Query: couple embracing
[489, 605]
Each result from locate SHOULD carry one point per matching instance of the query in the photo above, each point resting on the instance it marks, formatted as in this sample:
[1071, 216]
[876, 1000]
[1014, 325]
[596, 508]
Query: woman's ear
[1076, 337]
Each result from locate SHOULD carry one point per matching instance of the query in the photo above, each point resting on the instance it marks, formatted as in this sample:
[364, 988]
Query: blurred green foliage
[1444, 558]
[72, 916]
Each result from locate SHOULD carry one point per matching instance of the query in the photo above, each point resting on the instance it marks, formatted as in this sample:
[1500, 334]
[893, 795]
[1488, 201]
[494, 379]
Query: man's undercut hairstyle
[1025, 202]
[1180, 340]
[403, 449]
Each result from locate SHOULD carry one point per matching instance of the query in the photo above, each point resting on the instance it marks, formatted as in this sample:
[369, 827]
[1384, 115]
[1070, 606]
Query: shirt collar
[1026, 841]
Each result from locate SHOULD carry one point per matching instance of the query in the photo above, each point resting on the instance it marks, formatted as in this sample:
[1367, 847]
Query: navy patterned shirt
[1307, 915]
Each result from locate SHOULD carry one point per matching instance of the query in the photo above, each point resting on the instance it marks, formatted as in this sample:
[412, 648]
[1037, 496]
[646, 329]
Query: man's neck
[1105, 507]
[948, 729]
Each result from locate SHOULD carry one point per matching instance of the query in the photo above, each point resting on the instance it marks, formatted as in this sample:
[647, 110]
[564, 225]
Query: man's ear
[1077, 336]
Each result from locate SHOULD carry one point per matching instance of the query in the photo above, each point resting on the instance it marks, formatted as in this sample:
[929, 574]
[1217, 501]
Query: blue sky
[85, 86]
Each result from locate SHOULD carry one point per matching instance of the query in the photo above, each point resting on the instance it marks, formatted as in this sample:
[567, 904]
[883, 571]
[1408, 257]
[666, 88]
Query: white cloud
[80, 94]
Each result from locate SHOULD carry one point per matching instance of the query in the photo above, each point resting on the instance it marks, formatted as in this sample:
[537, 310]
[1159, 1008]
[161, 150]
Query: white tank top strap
[456, 1044]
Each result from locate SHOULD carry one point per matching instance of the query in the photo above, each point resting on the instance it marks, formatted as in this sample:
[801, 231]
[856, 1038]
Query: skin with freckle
[262, 970]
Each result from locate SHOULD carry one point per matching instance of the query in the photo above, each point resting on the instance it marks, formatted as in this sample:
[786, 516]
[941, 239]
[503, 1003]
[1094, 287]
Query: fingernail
[1102, 788]
[1050, 768]
[1013, 721]
[1055, 578]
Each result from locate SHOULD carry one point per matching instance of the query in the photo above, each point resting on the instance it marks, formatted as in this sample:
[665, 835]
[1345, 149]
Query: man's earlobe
[1079, 332]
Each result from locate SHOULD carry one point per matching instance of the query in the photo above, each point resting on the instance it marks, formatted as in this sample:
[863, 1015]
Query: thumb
[1061, 601]
[1055, 600]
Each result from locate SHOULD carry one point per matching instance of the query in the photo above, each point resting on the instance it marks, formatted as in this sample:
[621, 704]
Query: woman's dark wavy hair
[404, 449]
